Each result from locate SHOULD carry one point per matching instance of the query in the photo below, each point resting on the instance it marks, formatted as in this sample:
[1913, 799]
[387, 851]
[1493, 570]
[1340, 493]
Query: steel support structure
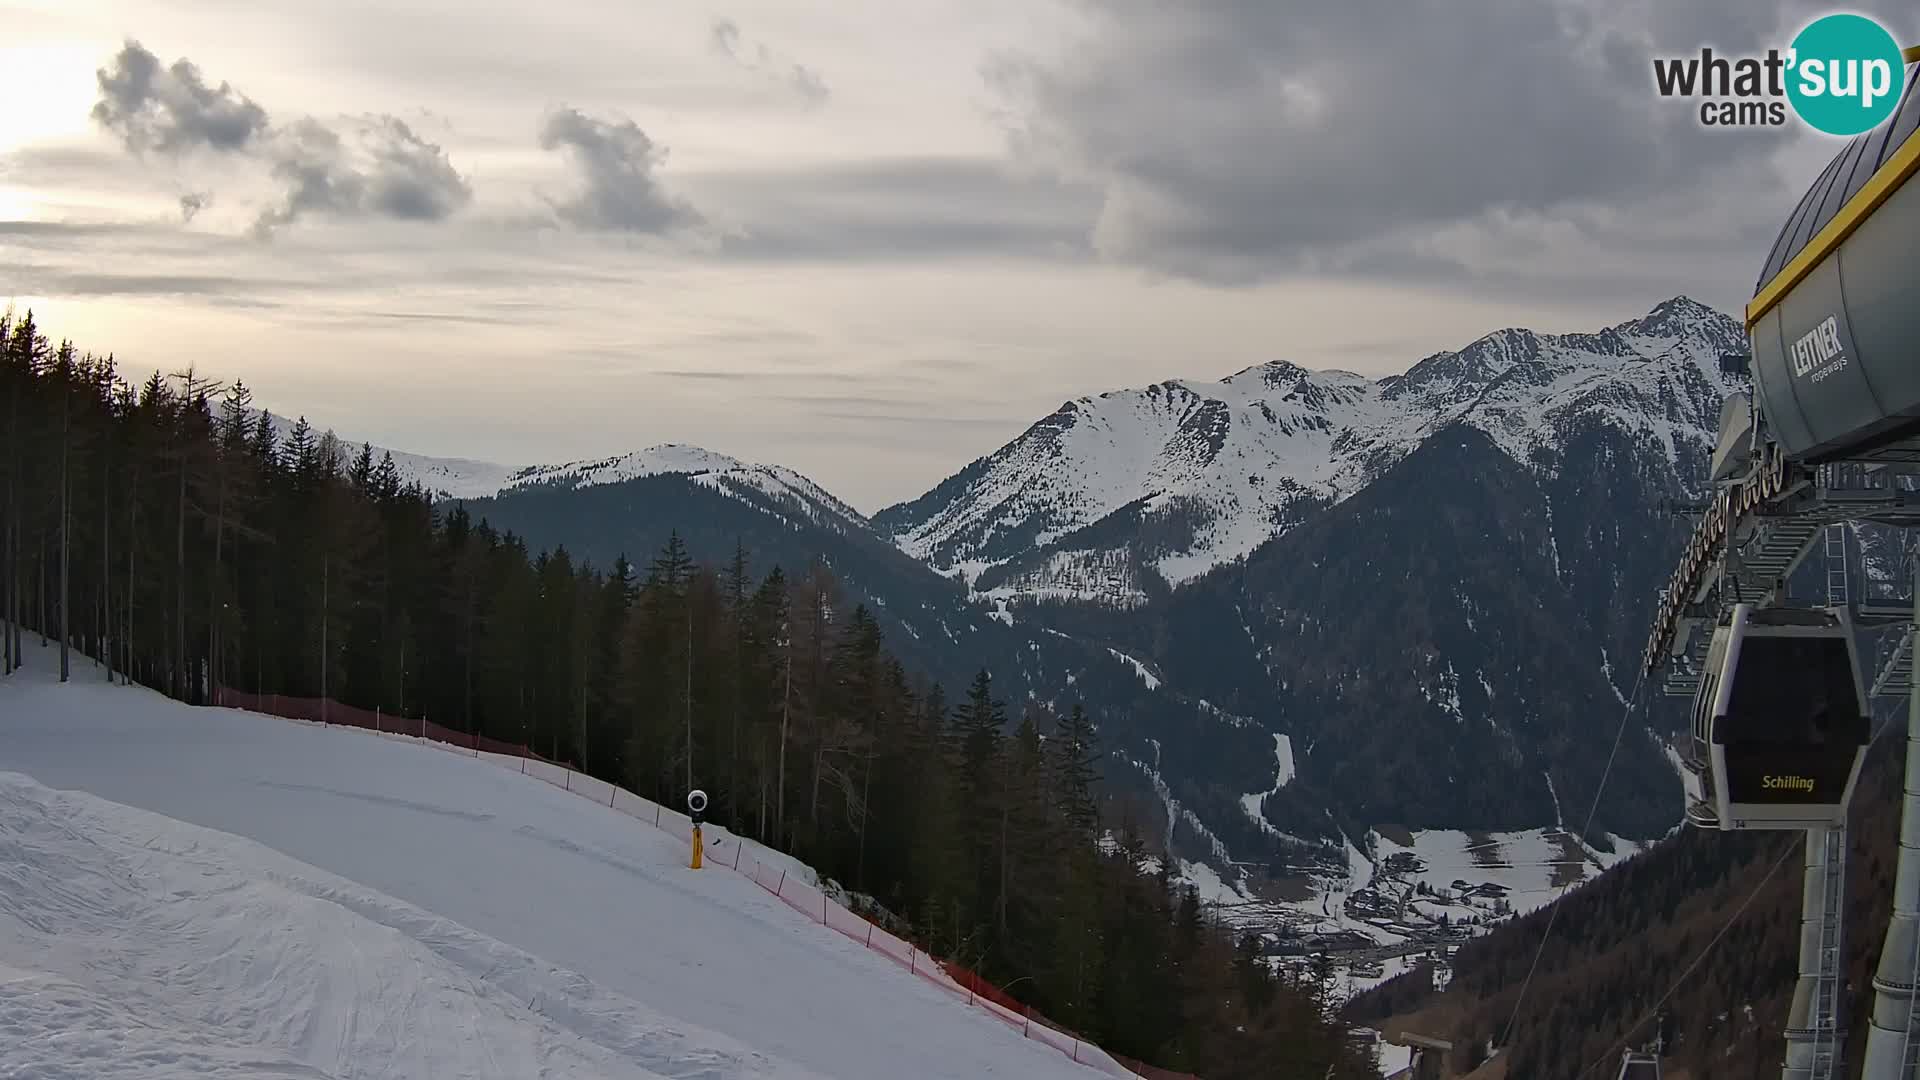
[1892, 1048]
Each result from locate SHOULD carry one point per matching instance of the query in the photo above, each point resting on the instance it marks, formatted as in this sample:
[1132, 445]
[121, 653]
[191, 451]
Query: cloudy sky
[868, 240]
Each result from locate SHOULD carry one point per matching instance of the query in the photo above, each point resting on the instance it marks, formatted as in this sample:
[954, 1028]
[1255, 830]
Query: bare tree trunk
[180, 582]
[9, 592]
[1006, 799]
[214, 607]
[813, 796]
[866, 792]
[6, 591]
[733, 734]
[326, 567]
[19, 601]
[133, 522]
[6, 588]
[689, 694]
[66, 535]
[786, 700]
[469, 656]
[106, 567]
[10, 539]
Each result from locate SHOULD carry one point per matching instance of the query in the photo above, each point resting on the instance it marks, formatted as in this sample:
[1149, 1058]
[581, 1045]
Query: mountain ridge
[1203, 473]
[1229, 578]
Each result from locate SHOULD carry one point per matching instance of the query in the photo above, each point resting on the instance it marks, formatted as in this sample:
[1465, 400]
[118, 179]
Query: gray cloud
[715, 376]
[59, 282]
[1235, 139]
[61, 232]
[891, 208]
[616, 162]
[172, 109]
[309, 163]
[379, 168]
[473, 319]
[802, 82]
[386, 171]
[926, 417]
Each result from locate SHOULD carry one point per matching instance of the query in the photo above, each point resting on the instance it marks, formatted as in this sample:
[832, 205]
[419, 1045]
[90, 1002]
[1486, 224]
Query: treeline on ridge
[177, 535]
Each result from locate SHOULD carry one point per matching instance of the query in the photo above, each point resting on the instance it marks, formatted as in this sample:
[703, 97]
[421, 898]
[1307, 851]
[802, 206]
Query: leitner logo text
[1814, 354]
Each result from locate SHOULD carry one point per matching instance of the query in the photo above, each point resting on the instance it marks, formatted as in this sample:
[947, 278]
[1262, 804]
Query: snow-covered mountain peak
[775, 488]
[1272, 375]
[772, 486]
[1184, 475]
[664, 459]
[1679, 317]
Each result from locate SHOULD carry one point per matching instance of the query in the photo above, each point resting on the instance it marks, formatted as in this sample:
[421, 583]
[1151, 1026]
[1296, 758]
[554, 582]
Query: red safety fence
[771, 872]
[329, 711]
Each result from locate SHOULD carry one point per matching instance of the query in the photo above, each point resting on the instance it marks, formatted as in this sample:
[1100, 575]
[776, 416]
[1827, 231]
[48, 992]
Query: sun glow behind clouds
[47, 90]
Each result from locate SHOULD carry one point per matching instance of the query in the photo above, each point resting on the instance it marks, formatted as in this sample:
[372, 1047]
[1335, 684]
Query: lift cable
[1731, 919]
[1553, 906]
[1786, 852]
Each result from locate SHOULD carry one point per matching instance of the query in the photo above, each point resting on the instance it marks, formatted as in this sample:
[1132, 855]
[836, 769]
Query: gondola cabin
[1780, 722]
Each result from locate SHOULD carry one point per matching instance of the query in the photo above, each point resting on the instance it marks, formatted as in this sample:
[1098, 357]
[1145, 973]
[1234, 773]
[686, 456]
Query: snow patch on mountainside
[1140, 669]
[1284, 773]
[1066, 575]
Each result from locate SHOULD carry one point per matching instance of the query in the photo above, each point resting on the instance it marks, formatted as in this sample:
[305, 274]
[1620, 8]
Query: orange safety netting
[730, 852]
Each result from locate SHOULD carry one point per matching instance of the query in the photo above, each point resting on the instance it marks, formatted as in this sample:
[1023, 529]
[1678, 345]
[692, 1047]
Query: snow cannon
[696, 806]
[1834, 323]
[1780, 722]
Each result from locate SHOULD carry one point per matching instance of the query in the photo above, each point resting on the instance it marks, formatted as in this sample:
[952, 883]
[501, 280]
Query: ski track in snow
[373, 907]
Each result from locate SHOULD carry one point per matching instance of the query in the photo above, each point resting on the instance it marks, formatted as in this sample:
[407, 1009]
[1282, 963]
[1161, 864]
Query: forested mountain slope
[1623, 941]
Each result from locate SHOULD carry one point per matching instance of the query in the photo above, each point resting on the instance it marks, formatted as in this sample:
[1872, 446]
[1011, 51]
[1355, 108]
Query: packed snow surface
[132, 937]
[372, 907]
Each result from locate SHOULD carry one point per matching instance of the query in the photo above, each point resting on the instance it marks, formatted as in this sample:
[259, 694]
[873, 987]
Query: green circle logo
[1845, 74]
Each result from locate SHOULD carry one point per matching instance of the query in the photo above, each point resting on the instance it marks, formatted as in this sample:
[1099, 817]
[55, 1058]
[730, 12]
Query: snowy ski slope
[370, 907]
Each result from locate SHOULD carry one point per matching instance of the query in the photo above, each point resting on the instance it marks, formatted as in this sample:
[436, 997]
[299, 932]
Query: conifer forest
[167, 530]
